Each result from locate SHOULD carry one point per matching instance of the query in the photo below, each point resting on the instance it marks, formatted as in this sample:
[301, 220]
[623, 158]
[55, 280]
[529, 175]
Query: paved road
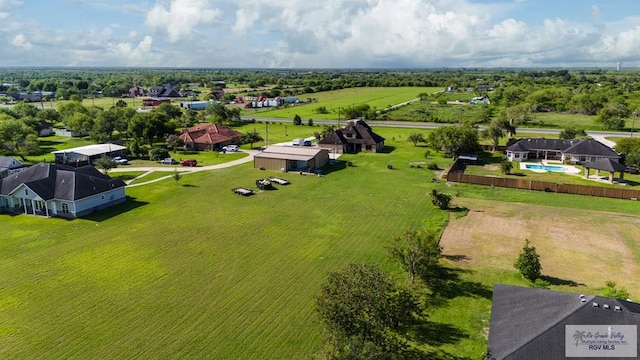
[425, 125]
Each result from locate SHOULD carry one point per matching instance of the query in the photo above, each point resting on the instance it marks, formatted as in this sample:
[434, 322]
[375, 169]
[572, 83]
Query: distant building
[155, 101]
[208, 136]
[220, 84]
[7, 164]
[136, 91]
[163, 91]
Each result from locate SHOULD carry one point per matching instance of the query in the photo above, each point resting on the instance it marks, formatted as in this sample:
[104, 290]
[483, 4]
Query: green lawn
[204, 158]
[430, 111]
[563, 121]
[53, 143]
[379, 98]
[191, 270]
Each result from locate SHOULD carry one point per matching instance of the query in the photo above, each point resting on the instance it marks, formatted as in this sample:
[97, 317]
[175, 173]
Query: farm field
[429, 111]
[191, 270]
[379, 98]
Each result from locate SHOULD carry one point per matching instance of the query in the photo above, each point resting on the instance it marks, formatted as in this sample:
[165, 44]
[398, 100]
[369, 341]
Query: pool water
[552, 168]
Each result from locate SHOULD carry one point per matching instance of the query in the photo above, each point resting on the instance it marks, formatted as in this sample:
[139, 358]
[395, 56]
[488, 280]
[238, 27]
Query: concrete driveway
[182, 169]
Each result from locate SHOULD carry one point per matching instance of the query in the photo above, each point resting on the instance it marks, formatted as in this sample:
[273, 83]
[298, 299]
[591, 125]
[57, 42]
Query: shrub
[441, 200]
[158, 153]
[506, 166]
[310, 122]
[528, 262]
[433, 166]
[390, 166]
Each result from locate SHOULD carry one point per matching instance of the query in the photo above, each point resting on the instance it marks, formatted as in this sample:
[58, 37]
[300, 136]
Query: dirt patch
[585, 247]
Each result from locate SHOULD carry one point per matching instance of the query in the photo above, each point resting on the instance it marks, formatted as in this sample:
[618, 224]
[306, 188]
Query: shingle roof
[61, 182]
[528, 323]
[591, 147]
[530, 144]
[362, 131]
[7, 162]
[605, 164]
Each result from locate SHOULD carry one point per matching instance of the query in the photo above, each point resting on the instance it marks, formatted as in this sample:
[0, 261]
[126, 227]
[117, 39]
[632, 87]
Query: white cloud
[20, 41]
[179, 18]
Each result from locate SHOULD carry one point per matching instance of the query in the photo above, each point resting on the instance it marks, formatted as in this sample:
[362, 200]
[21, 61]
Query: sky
[319, 33]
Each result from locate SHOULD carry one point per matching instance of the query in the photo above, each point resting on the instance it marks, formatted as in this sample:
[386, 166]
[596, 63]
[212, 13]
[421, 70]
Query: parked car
[228, 148]
[189, 162]
[632, 170]
[120, 160]
[169, 161]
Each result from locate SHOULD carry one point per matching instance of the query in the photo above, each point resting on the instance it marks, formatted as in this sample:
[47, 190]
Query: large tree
[419, 253]
[364, 313]
[612, 116]
[18, 138]
[251, 137]
[454, 140]
[416, 138]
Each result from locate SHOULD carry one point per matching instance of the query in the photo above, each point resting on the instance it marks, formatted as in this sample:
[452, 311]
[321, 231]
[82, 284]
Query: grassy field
[379, 98]
[429, 111]
[191, 270]
[563, 121]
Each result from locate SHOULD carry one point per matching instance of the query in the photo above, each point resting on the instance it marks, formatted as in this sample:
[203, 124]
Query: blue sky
[320, 34]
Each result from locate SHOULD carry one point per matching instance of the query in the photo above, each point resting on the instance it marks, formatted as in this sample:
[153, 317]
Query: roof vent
[606, 306]
[617, 308]
[583, 300]
[595, 305]
[582, 296]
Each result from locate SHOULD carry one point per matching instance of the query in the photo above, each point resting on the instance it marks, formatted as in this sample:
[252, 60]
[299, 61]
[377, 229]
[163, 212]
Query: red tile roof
[207, 133]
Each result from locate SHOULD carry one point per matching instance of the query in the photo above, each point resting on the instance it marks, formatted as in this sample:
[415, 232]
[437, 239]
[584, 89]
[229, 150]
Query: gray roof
[7, 162]
[529, 144]
[362, 131]
[60, 182]
[591, 147]
[605, 164]
[528, 323]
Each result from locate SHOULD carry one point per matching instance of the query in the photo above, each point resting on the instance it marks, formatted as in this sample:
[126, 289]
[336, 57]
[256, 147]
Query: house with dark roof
[356, 136]
[136, 91]
[58, 190]
[208, 136]
[7, 164]
[538, 324]
[163, 91]
[575, 151]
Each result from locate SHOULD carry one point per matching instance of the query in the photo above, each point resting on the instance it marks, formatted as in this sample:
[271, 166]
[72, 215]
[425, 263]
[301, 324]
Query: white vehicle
[228, 148]
[120, 160]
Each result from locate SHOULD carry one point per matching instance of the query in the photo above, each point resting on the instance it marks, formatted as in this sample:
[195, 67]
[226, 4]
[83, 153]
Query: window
[65, 208]
[26, 192]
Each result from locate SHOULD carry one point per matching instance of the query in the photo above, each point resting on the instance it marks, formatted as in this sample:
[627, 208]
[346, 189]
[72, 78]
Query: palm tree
[579, 336]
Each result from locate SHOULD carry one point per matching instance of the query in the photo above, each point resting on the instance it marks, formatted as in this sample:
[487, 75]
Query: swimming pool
[552, 168]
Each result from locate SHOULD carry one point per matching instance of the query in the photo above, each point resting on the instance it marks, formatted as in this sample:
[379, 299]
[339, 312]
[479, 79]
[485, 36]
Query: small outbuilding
[289, 158]
[607, 165]
[85, 155]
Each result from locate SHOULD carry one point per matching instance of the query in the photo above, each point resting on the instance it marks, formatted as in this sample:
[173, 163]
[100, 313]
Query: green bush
[433, 166]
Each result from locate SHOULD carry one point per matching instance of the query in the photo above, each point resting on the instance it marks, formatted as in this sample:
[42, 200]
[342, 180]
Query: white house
[58, 190]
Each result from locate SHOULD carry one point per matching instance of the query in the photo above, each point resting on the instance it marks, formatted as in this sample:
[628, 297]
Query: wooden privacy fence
[524, 184]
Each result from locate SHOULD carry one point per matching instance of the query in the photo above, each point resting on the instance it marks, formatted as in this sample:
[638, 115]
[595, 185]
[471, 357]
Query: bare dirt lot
[585, 247]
